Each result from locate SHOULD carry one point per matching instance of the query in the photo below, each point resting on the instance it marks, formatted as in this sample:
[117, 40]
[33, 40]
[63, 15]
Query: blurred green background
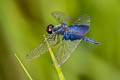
[23, 23]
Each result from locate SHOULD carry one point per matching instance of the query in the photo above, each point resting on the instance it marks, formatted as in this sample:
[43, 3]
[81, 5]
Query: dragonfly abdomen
[90, 40]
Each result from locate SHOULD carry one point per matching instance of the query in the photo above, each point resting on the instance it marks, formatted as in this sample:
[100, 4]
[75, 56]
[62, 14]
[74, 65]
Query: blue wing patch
[79, 29]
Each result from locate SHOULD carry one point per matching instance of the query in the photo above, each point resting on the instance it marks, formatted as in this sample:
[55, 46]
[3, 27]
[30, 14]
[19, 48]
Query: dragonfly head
[50, 28]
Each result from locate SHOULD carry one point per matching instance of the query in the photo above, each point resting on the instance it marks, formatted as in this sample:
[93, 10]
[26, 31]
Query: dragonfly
[66, 37]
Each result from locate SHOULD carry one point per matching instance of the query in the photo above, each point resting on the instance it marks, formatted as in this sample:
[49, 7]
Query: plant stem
[57, 67]
[23, 67]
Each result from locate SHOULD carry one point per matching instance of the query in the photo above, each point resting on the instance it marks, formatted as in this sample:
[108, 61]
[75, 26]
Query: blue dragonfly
[65, 37]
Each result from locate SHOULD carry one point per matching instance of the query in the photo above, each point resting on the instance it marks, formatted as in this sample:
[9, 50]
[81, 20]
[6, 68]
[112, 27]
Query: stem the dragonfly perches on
[57, 67]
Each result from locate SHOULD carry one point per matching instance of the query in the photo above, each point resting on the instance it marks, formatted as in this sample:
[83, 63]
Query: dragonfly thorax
[60, 29]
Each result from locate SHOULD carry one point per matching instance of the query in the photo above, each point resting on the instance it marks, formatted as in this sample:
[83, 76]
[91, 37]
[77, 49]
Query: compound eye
[49, 28]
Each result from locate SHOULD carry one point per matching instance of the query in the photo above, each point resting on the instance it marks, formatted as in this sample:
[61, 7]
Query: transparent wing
[65, 49]
[42, 48]
[82, 20]
[60, 17]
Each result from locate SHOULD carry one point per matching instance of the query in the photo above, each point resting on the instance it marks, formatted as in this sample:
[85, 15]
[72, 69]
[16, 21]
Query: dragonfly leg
[58, 39]
[52, 37]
